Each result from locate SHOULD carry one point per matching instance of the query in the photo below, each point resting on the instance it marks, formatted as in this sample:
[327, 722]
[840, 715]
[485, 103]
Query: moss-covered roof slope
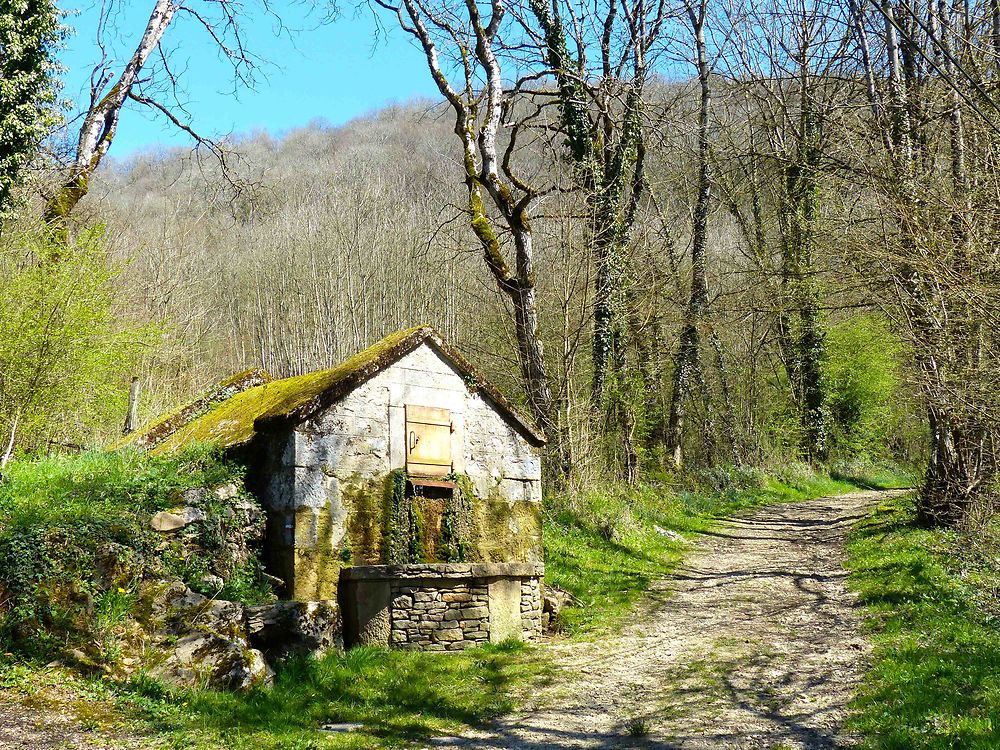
[235, 420]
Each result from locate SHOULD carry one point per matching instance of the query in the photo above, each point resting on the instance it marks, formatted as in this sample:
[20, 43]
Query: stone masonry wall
[444, 606]
[531, 609]
[435, 617]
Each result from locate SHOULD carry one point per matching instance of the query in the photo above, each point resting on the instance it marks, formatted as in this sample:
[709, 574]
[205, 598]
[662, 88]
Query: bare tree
[787, 69]
[500, 199]
[142, 78]
[688, 365]
[938, 229]
[599, 59]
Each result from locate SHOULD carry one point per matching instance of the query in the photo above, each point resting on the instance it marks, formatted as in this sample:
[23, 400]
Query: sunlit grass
[935, 680]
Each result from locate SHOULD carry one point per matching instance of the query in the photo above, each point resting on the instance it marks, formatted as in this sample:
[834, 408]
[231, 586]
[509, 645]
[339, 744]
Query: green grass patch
[935, 680]
[400, 697]
[607, 546]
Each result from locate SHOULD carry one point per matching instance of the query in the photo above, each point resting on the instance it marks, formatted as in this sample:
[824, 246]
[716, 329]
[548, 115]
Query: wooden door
[428, 441]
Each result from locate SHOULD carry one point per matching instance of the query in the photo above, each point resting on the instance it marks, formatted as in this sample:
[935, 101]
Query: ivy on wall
[408, 533]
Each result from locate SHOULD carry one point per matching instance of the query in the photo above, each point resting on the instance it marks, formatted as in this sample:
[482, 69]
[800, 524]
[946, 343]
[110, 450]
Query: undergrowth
[930, 599]
[76, 542]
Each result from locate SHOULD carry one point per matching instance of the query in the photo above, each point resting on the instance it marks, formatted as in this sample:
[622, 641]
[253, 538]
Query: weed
[637, 727]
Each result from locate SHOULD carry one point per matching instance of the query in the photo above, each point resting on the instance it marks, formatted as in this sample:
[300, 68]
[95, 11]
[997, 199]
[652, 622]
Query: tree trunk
[687, 365]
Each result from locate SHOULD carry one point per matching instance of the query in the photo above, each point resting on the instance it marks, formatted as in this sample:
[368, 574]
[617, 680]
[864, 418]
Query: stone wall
[441, 607]
[325, 486]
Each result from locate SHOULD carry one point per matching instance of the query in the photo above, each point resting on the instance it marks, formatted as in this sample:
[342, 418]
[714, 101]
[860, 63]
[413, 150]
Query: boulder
[285, 628]
[211, 660]
[175, 609]
[222, 644]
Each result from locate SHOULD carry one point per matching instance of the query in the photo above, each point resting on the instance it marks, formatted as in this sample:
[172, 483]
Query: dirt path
[754, 643]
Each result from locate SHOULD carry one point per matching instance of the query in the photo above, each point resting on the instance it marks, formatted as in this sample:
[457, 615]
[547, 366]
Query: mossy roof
[235, 420]
[166, 424]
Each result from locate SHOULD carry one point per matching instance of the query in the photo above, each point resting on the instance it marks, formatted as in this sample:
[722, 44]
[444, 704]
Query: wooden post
[132, 418]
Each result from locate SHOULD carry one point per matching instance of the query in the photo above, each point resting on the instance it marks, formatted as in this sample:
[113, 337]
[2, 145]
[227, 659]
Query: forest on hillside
[684, 236]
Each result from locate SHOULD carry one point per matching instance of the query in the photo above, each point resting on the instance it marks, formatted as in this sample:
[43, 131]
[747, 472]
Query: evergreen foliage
[30, 35]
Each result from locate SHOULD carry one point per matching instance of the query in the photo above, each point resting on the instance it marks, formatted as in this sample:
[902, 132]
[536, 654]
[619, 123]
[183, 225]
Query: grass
[606, 548]
[399, 697]
[935, 679]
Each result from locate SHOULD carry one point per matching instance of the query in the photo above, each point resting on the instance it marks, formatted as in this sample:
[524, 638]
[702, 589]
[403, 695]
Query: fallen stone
[211, 660]
[177, 518]
[212, 582]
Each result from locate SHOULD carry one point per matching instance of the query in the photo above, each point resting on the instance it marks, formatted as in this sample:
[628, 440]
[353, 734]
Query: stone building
[400, 482]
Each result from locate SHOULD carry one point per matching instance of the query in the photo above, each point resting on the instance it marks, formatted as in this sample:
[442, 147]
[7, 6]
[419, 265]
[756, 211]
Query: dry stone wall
[445, 617]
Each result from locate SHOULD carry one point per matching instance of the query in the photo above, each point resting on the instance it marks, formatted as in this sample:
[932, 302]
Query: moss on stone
[397, 519]
[166, 424]
[317, 561]
[233, 422]
[504, 531]
[364, 501]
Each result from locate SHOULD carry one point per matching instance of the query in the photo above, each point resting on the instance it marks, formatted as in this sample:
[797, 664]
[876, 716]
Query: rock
[226, 491]
[177, 518]
[165, 521]
[176, 609]
[289, 627]
[201, 641]
[554, 600]
[211, 660]
[211, 582]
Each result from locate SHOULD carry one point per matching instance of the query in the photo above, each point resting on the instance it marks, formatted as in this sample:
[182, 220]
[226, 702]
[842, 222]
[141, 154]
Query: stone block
[476, 613]
[505, 609]
[453, 634]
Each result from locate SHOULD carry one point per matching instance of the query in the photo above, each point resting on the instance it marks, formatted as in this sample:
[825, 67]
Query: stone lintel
[438, 571]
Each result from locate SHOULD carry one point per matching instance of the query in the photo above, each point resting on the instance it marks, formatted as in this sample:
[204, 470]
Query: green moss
[397, 518]
[232, 422]
[506, 531]
[364, 501]
[160, 428]
[317, 565]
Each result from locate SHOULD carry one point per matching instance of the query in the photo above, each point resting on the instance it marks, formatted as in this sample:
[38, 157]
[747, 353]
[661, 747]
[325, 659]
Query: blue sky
[334, 71]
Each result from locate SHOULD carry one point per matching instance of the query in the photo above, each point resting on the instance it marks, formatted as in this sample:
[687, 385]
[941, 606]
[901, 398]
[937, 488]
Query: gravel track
[753, 643]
